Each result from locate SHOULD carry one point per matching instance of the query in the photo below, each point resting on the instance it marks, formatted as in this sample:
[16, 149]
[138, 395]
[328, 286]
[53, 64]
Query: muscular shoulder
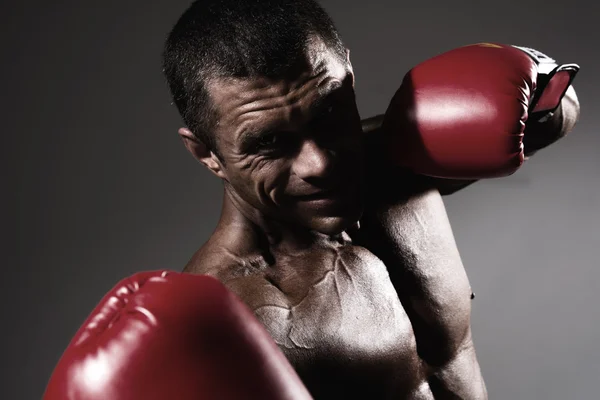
[245, 276]
[223, 263]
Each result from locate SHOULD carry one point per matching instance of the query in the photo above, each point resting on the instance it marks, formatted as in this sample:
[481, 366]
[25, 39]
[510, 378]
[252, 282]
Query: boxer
[333, 231]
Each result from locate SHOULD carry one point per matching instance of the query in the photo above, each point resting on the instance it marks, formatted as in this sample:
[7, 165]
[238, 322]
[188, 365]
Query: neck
[251, 229]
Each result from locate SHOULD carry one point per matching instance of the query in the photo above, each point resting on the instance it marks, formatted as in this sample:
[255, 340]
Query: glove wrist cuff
[552, 83]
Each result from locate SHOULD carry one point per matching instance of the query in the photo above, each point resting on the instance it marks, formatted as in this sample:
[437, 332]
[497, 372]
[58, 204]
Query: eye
[268, 140]
[275, 143]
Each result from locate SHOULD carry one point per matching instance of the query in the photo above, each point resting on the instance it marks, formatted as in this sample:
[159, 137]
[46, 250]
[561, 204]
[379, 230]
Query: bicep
[415, 241]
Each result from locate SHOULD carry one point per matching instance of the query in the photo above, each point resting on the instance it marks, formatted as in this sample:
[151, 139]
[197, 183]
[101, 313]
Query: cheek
[261, 181]
[274, 177]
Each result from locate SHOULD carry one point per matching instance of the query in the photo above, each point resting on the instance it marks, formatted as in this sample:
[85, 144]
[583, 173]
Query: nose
[313, 161]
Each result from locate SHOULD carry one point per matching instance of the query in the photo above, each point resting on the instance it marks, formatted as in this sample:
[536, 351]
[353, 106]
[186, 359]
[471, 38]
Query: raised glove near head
[165, 335]
[462, 114]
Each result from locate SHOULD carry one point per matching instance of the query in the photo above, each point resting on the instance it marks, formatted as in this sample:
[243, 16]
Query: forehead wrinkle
[278, 98]
[286, 106]
[282, 93]
[246, 98]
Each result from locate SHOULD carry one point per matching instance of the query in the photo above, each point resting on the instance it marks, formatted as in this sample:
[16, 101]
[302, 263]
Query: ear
[201, 153]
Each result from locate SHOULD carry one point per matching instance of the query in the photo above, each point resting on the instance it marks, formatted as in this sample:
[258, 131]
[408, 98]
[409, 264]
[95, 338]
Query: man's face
[291, 149]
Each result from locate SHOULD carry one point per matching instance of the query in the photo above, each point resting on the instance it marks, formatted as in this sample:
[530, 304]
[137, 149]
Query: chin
[333, 225]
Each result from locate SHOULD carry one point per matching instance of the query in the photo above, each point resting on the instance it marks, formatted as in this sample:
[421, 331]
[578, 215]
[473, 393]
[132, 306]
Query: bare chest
[339, 295]
[336, 315]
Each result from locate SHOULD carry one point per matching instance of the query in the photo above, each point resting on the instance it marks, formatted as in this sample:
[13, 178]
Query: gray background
[99, 185]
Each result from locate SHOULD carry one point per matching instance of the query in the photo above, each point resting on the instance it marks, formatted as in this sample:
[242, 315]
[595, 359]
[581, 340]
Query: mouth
[320, 195]
[327, 201]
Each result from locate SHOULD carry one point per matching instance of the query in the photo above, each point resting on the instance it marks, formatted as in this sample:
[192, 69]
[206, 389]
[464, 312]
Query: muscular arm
[538, 135]
[411, 234]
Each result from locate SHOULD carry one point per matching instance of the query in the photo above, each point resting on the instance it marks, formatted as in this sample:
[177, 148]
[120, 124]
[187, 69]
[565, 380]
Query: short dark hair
[240, 39]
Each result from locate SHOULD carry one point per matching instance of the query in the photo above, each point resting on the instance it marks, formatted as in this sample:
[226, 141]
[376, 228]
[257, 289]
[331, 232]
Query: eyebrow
[249, 135]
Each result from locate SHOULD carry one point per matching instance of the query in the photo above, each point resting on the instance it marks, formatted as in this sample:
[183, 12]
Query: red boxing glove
[461, 115]
[165, 335]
